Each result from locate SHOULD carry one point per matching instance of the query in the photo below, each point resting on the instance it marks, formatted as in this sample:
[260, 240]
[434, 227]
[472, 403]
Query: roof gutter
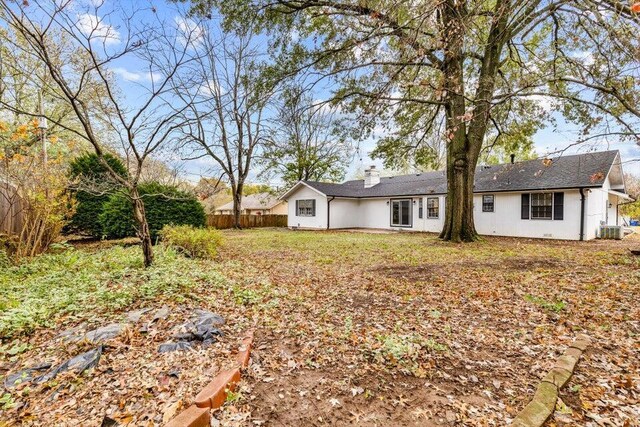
[582, 202]
[329, 210]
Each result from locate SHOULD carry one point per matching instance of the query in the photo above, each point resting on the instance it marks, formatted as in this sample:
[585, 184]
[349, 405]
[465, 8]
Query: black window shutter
[525, 206]
[313, 207]
[558, 206]
[297, 208]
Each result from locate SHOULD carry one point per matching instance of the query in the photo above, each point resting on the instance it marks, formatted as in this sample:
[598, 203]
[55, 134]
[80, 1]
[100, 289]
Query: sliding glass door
[401, 213]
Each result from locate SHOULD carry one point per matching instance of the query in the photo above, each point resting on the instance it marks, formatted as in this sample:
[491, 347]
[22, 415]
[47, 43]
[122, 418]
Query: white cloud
[97, 3]
[136, 77]
[294, 34]
[547, 103]
[211, 87]
[584, 56]
[189, 30]
[127, 75]
[95, 28]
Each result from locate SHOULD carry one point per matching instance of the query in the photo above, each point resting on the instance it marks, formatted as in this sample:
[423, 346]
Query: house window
[541, 205]
[420, 208]
[487, 203]
[401, 213]
[306, 207]
[433, 207]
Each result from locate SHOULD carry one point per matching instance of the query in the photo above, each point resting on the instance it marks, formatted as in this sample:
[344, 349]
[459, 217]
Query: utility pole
[42, 126]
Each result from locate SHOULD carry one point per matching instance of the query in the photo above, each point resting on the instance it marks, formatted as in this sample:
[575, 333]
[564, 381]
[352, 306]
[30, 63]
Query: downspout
[329, 210]
[582, 200]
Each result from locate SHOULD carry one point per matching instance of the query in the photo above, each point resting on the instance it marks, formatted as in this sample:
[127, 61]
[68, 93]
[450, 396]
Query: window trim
[391, 224]
[421, 208]
[428, 215]
[313, 208]
[493, 203]
[531, 218]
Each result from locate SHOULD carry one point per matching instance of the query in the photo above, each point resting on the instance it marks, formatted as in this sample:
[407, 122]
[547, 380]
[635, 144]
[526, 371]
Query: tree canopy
[457, 77]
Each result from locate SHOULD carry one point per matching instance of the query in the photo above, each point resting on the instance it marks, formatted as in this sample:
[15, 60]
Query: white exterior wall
[376, 213]
[506, 220]
[598, 210]
[344, 213]
[317, 221]
[433, 225]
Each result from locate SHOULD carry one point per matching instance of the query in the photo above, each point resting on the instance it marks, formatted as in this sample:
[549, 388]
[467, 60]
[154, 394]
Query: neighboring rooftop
[253, 201]
[571, 171]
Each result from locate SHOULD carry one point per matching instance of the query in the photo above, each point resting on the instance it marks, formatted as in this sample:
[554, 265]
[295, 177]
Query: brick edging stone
[214, 394]
[543, 404]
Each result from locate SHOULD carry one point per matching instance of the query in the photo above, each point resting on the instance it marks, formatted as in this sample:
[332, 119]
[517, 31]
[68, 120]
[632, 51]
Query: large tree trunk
[142, 227]
[458, 222]
[237, 205]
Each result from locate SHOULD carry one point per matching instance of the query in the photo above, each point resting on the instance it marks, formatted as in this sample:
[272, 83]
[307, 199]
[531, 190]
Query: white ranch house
[569, 197]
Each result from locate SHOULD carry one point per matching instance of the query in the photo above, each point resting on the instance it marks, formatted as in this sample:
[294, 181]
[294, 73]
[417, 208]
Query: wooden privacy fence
[11, 209]
[247, 221]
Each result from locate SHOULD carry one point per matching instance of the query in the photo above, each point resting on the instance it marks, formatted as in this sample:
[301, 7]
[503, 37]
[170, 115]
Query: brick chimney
[371, 177]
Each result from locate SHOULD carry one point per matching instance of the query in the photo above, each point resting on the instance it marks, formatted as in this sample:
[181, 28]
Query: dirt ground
[402, 329]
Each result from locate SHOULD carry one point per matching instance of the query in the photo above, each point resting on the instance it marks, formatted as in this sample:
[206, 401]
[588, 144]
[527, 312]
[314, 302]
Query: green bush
[164, 205]
[193, 242]
[87, 169]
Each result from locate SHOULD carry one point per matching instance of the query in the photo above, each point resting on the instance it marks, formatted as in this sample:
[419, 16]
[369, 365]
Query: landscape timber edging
[214, 394]
[543, 404]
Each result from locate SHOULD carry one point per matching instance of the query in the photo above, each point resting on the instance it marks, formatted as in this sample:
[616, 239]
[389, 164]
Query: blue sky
[133, 79]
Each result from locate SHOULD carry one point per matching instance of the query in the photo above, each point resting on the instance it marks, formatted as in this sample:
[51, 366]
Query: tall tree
[463, 72]
[80, 50]
[306, 142]
[224, 96]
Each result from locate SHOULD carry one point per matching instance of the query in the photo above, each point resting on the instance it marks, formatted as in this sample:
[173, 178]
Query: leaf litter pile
[352, 329]
[91, 338]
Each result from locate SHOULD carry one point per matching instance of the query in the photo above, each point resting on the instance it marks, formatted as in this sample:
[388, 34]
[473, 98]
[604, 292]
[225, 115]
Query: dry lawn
[402, 329]
[351, 329]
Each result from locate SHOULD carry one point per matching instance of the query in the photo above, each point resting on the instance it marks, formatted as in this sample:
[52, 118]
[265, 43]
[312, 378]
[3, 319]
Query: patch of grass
[404, 351]
[555, 306]
[191, 241]
[14, 348]
[233, 397]
[6, 401]
[245, 296]
[75, 282]
[5, 261]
